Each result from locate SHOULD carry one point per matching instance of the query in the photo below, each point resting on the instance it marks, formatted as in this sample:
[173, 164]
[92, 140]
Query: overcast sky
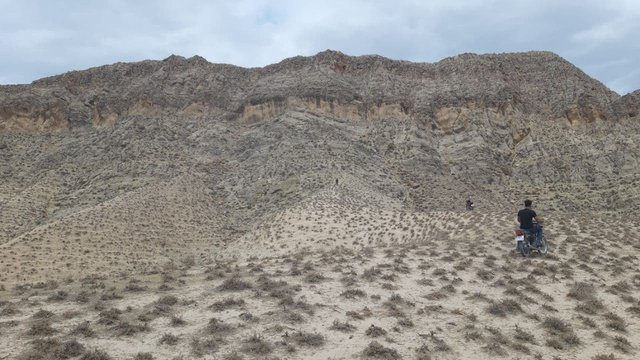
[44, 37]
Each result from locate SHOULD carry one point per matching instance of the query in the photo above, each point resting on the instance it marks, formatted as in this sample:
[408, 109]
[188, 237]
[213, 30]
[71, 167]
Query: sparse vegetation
[309, 339]
[375, 331]
[375, 350]
[256, 345]
[445, 295]
[234, 284]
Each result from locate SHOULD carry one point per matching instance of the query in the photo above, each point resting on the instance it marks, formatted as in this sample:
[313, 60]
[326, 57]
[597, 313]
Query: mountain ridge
[382, 134]
[75, 98]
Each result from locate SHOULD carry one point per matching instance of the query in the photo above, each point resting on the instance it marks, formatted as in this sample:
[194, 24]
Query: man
[469, 204]
[526, 219]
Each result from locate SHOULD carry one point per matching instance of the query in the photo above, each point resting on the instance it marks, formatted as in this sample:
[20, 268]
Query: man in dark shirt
[525, 218]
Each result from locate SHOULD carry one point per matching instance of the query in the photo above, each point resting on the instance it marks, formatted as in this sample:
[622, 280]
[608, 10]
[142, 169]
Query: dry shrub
[615, 322]
[51, 348]
[42, 314]
[309, 339]
[177, 321]
[95, 354]
[560, 330]
[133, 286]
[218, 327]
[371, 273]
[168, 300]
[375, 350]
[143, 356]
[524, 336]
[353, 293]
[83, 329]
[256, 345]
[590, 306]
[70, 348]
[169, 339]
[109, 317]
[521, 348]
[375, 331]
[582, 291]
[41, 327]
[60, 295]
[234, 283]
[554, 343]
[604, 357]
[315, 278]
[124, 328]
[342, 326]
[226, 304]
[504, 307]
[200, 347]
[621, 343]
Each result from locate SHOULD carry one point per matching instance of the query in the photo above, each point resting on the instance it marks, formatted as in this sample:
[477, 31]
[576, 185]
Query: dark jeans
[536, 231]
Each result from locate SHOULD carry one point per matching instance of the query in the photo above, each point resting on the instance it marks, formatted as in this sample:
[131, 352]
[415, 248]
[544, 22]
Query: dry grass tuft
[560, 331]
[604, 357]
[504, 307]
[43, 314]
[83, 329]
[52, 348]
[375, 350]
[200, 347]
[234, 284]
[169, 339]
[218, 327]
[615, 322]
[177, 321]
[226, 304]
[41, 327]
[375, 331]
[124, 328]
[342, 326]
[353, 293]
[143, 356]
[582, 291]
[309, 339]
[96, 354]
[256, 345]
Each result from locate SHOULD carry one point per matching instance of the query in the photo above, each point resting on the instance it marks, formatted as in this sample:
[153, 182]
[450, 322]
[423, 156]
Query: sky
[41, 38]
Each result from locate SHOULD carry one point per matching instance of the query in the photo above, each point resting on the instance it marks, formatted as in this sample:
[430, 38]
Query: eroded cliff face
[538, 83]
[493, 127]
[354, 111]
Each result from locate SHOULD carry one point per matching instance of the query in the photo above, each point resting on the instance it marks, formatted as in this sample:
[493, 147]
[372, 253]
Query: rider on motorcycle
[529, 222]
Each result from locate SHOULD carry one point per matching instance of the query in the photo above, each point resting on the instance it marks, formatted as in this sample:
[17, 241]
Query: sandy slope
[321, 280]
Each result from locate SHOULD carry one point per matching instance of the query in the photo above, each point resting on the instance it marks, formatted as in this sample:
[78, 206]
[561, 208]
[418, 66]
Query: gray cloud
[42, 38]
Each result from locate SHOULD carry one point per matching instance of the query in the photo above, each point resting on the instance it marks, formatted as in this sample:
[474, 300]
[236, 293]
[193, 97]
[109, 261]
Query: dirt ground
[328, 281]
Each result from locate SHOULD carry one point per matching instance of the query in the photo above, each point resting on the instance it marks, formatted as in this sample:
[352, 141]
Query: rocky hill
[157, 157]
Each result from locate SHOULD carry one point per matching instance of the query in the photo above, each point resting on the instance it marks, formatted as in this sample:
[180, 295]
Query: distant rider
[469, 204]
[526, 219]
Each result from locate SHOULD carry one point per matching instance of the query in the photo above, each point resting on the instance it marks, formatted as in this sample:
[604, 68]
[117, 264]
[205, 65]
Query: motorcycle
[524, 243]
